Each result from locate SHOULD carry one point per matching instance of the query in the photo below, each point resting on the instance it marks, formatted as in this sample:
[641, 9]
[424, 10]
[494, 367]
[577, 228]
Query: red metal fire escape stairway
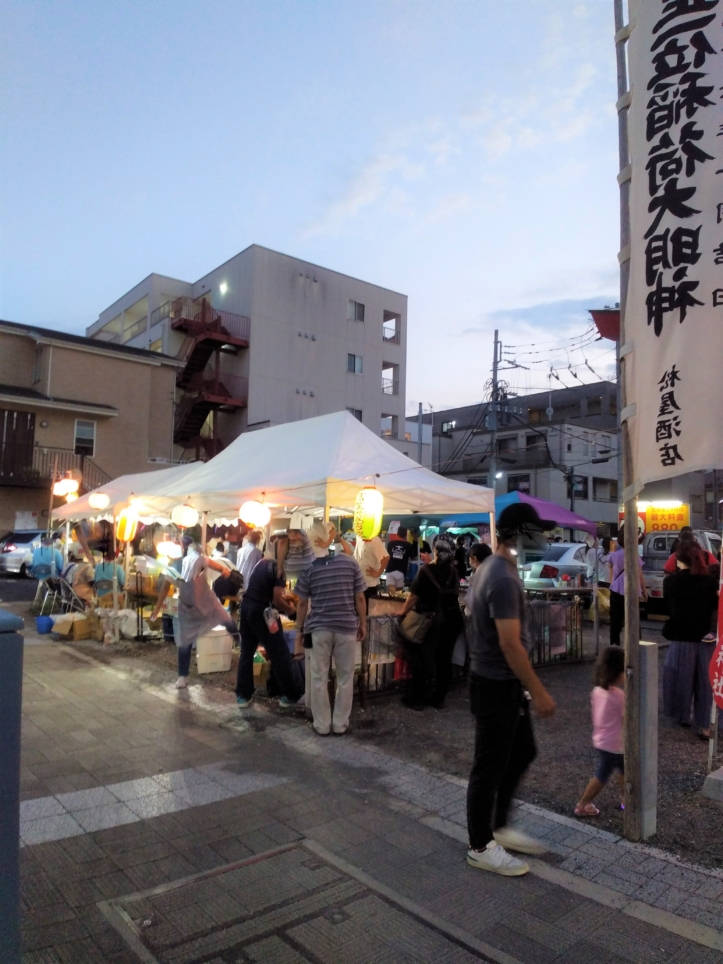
[208, 332]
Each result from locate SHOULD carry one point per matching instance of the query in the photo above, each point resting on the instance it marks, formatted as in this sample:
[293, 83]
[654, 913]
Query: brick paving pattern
[243, 786]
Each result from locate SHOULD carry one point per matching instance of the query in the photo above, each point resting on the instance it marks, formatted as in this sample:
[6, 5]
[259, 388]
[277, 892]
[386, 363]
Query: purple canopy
[547, 510]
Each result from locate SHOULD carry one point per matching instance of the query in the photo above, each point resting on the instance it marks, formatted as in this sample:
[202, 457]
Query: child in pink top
[608, 709]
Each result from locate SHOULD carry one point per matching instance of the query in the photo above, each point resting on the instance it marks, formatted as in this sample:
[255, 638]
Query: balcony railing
[137, 329]
[34, 465]
[391, 336]
[192, 317]
[234, 387]
[390, 386]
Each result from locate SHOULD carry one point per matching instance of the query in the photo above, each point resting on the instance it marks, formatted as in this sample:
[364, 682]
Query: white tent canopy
[319, 462]
[121, 489]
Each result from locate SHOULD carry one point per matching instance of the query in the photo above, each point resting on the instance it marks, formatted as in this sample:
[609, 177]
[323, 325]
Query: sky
[463, 152]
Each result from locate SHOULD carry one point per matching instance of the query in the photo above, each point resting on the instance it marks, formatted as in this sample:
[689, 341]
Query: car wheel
[23, 571]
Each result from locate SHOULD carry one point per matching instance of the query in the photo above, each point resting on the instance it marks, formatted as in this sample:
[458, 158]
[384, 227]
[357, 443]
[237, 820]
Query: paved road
[15, 589]
[160, 826]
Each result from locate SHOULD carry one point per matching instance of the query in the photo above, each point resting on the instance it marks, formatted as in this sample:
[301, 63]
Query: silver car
[16, 551]
[560, 559]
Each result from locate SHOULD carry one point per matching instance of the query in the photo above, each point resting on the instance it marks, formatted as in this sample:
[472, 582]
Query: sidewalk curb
[698, 933]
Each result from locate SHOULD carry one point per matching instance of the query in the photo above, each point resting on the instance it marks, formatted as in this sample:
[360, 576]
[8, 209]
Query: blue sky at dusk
[463, 152]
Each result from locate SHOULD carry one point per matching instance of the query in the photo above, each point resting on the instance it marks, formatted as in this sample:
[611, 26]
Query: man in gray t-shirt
[502, 686]
[498, 594]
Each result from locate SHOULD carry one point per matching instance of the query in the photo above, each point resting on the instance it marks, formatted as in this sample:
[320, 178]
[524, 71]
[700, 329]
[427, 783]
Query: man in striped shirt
[336, 620]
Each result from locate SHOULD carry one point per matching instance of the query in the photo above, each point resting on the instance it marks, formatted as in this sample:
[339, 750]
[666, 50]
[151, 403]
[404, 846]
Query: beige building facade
[72, 403]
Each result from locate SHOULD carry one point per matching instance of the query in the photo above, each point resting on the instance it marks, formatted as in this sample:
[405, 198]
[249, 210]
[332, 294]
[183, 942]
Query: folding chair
[44, 573]
[71, 603]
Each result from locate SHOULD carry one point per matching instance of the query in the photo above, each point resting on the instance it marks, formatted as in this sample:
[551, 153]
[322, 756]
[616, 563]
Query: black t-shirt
[460, 560]
[427, 593]
[262, 583]
[691, 602]
[400, 552]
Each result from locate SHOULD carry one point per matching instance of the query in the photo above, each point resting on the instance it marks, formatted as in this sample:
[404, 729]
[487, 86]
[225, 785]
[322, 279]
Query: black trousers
[433, 657]
[617, 616]
[504, 747]
[255, 633]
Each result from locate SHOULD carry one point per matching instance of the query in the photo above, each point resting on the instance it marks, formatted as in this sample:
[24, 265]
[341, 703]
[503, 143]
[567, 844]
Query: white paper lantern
[255, 514]
[98, 500]
[65, 486]
[184, 516]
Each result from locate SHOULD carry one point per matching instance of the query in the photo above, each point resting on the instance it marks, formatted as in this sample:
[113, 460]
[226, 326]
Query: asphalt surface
[16, 589]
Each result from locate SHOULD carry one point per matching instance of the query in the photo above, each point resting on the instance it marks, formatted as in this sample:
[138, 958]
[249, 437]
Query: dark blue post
[11, 690]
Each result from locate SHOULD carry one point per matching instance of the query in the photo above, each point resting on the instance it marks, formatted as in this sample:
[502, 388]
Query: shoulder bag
[414, 626]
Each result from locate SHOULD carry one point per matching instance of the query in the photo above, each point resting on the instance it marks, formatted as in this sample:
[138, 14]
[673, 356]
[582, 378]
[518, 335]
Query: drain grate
[295, 905]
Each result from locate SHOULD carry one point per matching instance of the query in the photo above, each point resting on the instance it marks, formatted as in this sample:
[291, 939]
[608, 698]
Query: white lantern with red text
[255, 514]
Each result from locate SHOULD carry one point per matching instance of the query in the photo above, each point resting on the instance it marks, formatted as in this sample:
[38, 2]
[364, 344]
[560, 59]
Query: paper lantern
[368, 510]
[98, 500]
[255, 514]
[184, 516]
[64, 486]
[71, 497]
[169, 549]
[126, 525]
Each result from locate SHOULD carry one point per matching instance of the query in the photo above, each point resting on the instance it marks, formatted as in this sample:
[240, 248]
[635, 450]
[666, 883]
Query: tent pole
[204, 516]
[493, 530]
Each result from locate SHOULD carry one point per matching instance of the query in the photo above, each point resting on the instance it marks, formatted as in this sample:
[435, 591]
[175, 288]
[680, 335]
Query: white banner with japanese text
[674, 316]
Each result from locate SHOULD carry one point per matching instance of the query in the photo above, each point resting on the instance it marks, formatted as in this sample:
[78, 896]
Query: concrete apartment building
[75, 403]
[539, 452]
[265, 339]
[542, 441]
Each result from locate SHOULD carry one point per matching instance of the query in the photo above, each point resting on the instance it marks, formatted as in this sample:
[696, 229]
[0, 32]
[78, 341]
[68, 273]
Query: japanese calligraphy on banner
[674, 315]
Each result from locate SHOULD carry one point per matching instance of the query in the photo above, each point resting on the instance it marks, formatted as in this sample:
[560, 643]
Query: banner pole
[633, 683]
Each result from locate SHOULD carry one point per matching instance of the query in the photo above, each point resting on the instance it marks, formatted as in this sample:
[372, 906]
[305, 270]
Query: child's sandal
[589, 810]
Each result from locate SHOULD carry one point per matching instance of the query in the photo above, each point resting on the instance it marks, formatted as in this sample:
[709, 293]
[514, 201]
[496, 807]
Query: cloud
[550, 316]
[370, 184]
[450, 205]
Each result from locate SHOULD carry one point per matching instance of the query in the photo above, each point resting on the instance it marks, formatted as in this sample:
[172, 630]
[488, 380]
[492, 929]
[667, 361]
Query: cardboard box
[63, 625]
[81, 627]
[261, 677]
[96, 627]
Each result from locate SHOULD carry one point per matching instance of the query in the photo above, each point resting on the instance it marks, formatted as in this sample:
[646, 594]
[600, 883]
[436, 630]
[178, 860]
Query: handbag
[415, 626]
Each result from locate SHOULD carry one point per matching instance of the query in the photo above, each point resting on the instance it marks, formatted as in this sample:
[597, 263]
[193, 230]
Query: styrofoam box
[213, 651]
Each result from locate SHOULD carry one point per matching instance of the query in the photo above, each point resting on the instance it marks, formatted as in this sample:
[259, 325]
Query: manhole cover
[298, 904]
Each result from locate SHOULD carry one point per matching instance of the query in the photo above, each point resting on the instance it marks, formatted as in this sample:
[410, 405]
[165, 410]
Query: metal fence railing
[198, 317]
[555, 626]
[390, 386]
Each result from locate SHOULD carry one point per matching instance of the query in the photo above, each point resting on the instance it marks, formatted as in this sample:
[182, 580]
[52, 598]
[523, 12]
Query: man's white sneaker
[521, 843]
[181, 682]
[497, 860]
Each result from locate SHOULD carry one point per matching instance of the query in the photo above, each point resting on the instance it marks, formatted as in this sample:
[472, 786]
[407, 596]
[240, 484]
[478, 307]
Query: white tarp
[121, 489]
[674, 316]
[315, 462]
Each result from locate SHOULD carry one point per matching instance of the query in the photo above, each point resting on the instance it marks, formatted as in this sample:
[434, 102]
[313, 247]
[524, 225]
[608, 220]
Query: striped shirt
[331, 583]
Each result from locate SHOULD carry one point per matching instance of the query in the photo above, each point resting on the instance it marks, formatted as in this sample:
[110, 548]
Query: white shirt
[247, 559]
[319, 530]
[370, 554]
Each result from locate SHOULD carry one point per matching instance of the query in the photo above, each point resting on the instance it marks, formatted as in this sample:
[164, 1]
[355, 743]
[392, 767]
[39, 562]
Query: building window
[613, 405]
[535, 414]
[354, 364]
[477, 480]
[696, 503]
[604, 490]
[356, 412]
[507, 444]
[84, 438]
[518, 483]
[535, 441]
[355, 311]
[37, 364]
[156, 345]
[594, 406]
[581, 487]
[448, 426]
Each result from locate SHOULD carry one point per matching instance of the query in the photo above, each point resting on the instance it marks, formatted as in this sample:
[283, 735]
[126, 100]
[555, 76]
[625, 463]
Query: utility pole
[634, 685]
[571, 477]
[493, 415]
[420, 418]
